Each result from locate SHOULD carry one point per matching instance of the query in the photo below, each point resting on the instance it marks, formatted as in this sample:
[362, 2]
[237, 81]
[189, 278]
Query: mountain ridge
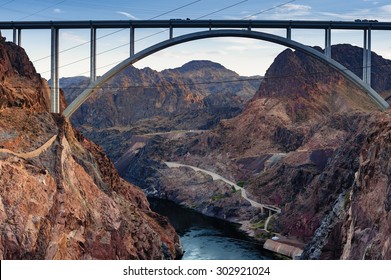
[146, 93]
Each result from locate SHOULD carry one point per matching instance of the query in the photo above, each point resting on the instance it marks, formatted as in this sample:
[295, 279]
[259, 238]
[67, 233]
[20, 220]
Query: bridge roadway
[183, 23]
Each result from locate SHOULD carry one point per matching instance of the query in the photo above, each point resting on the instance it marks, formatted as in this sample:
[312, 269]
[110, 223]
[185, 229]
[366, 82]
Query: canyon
[301, 140]
[307, 141]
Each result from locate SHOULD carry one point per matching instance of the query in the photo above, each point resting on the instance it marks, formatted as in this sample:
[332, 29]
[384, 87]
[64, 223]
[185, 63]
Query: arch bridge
[214, 28]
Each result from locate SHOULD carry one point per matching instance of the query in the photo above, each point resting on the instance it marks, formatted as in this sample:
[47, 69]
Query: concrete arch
[377, 99]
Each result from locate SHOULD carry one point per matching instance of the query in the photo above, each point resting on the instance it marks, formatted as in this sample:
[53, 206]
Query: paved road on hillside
[218, 177]
[173, 132]
[34, 153]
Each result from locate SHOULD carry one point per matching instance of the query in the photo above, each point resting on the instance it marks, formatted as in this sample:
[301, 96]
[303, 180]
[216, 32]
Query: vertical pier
[54, 91]
[289, 33]
[171, 32]
[93, 55]
[327, 47]
[131, 43]
[367, 57]
[17, 37]
[14, 36]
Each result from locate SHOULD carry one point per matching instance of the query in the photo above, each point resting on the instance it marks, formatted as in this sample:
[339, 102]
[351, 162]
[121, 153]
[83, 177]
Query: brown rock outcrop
[67, 201]
[20, 85]
[367, 228]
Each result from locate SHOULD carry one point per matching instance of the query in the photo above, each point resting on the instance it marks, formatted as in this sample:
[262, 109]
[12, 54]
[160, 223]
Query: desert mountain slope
[66, 201]
[194, 89]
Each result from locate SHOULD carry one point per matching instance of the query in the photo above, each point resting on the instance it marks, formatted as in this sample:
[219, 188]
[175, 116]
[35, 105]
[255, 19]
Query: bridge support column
[289, 33]
[17, 36]
[367, 57]
[171, 32]
[93, 55]
[131, 50]
[327, 48]
[55, 90]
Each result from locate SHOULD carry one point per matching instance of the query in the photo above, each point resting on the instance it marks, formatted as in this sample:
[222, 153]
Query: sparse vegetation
[264, 235]
[218, 197]
[258, 225]
[241, 184]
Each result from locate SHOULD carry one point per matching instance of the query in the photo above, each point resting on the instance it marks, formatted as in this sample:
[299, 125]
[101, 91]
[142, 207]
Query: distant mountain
[137, 94]
[351, 57]
[309, 89]
[211, 78]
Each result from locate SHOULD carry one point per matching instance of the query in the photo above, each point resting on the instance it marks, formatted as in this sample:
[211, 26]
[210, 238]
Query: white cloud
[386, 8]
[295, 9]
[243, 48]
[57, 11]
[181, 54]
[128, 15]
[379, 13]
[71, 37]
[287, 11]
[240, 44]
[374, 2]
[347, 16]
[278, 12]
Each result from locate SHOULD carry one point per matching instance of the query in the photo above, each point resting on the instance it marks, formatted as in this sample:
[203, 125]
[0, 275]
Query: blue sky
[245, 56]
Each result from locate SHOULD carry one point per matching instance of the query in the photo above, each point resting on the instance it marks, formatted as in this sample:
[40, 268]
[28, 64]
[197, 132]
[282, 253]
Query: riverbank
[257, 227]
[205, 237]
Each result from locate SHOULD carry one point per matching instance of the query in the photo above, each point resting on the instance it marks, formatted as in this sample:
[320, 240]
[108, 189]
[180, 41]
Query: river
[206, 238]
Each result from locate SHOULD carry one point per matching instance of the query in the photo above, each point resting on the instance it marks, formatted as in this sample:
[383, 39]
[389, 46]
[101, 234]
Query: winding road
[34, 153]
[218, 177]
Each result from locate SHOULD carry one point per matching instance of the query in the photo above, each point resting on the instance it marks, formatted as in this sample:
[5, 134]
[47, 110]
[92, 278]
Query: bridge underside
[95, 84]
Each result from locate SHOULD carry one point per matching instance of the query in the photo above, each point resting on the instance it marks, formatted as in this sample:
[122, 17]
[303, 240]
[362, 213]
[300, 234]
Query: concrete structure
[227, 28]
[284, 249]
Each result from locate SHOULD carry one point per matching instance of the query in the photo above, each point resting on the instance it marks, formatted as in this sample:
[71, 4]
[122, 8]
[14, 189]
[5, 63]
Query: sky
[245, 56]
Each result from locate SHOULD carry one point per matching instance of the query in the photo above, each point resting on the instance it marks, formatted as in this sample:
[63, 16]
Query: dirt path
[173, 132]
[34, 153]
[218, 177]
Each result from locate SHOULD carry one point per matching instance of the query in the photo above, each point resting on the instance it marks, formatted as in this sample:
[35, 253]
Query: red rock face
[335, 142]
[66, 201]
[320, 122]
[20, 85]
[367, 229]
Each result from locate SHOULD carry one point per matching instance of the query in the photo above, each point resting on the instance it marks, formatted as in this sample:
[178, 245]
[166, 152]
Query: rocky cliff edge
[62, 198]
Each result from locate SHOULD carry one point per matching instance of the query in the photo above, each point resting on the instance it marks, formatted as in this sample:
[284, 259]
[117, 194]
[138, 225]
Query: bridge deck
[183, 23]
